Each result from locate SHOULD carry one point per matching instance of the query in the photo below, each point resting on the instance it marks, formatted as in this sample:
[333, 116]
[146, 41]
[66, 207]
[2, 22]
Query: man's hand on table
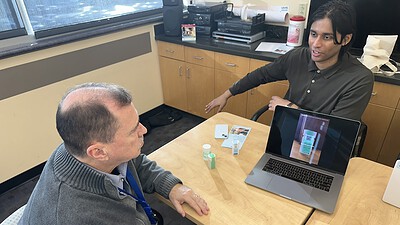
[181, 194]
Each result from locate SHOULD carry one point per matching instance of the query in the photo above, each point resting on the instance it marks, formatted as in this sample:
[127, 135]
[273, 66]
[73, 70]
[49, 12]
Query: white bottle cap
[206, 146]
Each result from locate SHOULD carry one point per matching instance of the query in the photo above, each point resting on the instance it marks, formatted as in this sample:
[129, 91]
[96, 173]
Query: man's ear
[347, 39]
[97, 151]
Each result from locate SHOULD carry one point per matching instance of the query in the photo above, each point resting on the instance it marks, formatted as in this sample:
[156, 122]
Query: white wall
[265, 4]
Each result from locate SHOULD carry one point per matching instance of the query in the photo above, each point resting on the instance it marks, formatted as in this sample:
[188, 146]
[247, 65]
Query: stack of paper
[239, 133]
[279, 48]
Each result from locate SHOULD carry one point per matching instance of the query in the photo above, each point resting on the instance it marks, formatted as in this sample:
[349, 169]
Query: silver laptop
[306, 157]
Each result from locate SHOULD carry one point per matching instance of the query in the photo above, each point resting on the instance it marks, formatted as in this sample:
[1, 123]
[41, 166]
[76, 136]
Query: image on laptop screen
[311, 138]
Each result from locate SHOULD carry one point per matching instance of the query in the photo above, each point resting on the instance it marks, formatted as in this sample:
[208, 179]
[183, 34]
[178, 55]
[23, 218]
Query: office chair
[362, 134]
[259, 112]
[159, 218]
[14, 218]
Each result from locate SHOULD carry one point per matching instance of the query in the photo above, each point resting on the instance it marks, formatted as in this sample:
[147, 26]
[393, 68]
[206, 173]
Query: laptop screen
[316, 139]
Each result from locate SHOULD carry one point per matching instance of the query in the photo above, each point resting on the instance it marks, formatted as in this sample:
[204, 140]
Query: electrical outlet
[303, 9]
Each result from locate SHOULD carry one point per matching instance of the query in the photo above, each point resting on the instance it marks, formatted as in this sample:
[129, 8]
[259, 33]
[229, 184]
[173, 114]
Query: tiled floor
[155, 138]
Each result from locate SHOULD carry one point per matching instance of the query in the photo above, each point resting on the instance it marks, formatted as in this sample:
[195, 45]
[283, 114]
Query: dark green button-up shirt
[343, 90]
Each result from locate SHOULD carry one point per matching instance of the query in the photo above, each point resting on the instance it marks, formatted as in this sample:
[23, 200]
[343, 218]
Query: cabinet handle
[198, 57]
[180, 71]
[374, 93]
[230, 64]
[169, 51]
[188, 73]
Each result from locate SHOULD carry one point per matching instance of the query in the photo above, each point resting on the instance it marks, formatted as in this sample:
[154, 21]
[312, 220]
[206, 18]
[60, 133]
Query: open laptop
[306, 157]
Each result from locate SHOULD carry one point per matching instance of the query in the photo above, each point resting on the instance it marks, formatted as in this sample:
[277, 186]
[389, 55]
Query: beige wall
[27, 131]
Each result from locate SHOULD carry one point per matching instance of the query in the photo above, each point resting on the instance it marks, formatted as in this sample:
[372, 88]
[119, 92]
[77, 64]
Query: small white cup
[206, 151]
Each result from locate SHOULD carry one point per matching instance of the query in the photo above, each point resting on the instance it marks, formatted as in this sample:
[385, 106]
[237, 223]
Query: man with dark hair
[323, 77]
[98, 175]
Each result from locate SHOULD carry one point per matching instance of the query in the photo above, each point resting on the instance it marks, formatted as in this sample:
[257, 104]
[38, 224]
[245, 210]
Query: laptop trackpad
[290, 189]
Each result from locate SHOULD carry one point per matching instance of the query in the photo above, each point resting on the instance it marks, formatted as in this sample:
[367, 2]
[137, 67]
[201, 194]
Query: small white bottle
[296, 31]
[206, 151]
[235, 147]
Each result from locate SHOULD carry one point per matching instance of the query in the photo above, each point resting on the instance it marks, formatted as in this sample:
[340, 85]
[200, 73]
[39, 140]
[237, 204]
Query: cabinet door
[260, 96]
[171, 50]
[199, 57]
[385, 94]
[391, 147]
[234, 64]
[378, 119]
[174, 82]
[224, 80]
[200, 88]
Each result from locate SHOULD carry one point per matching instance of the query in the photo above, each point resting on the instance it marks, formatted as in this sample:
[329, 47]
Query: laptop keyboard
[299, 174]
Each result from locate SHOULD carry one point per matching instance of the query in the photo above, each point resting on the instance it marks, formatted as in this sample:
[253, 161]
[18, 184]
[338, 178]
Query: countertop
[239, 49]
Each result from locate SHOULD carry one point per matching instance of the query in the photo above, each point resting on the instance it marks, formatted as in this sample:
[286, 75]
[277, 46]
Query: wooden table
[360, 200]
[230, 199]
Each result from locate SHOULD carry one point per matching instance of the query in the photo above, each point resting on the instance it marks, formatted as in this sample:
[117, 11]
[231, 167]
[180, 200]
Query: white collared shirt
[118, 180]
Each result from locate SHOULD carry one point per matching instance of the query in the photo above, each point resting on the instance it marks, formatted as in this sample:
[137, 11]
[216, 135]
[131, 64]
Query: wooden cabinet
[187, 76]
[385, 94]
[173, 78]
[199, 57]
[391, 147]
[380, 119]
[170, 50]
[228, 70]
[192, 77]
[260, 96]
[200, 80]
[200, 88]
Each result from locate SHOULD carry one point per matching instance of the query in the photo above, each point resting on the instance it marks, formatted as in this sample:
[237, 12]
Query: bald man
[98, 174]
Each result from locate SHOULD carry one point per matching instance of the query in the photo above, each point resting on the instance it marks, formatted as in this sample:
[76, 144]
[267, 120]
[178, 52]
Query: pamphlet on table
[237, 132]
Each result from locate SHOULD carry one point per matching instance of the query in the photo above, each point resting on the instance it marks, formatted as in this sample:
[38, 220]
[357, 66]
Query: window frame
[16, 17]
[29, 42]
[94, 24]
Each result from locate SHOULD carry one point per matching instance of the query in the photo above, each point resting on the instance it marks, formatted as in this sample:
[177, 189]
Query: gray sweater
[70, 192]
